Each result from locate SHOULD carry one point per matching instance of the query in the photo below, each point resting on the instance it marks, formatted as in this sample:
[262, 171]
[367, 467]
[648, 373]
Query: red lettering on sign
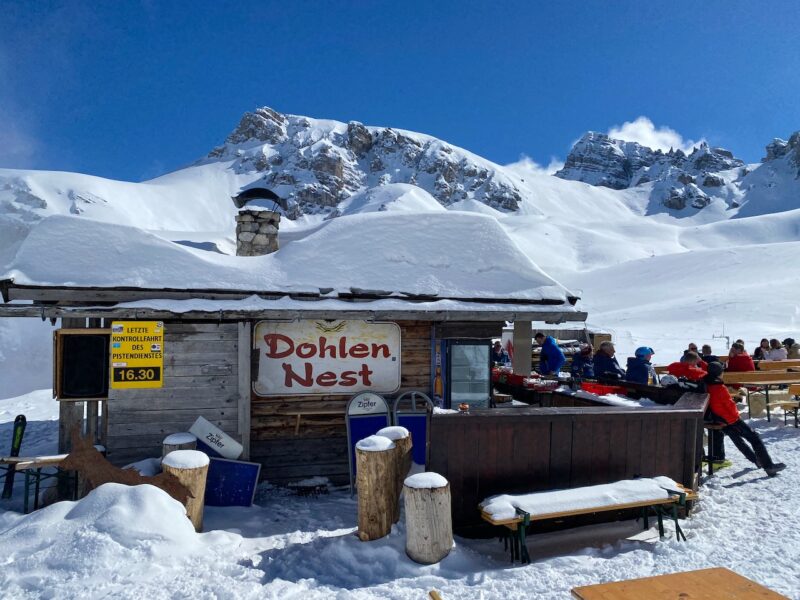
[291, 375]
[348, 379]
[359, 351]
[272, 340]
[306, 350]
[326, 379]
[365, 372]
[380, 347]
[323, 348]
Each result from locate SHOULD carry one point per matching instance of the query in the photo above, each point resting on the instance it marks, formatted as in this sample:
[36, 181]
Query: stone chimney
[256, 232]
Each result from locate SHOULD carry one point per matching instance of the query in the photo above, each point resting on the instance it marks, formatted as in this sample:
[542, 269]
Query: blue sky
[130, 90]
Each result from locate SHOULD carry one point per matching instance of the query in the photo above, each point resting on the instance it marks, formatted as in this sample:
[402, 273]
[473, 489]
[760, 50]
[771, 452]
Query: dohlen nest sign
[326, 357]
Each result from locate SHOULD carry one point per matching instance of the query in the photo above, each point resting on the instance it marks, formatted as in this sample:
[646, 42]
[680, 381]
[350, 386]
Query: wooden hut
[270, 348]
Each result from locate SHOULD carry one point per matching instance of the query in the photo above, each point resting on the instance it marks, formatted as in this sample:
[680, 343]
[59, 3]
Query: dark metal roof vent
[258, 193]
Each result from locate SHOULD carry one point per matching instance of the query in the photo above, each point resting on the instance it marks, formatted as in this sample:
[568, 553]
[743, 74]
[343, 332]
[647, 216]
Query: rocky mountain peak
[679, 178]
[316, 164]
[778, 148]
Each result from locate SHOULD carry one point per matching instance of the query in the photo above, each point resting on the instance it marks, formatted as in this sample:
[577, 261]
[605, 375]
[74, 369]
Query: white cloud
[643, 131]
[526, 164]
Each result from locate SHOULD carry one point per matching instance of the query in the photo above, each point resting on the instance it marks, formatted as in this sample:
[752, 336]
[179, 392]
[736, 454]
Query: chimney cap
[258, 193]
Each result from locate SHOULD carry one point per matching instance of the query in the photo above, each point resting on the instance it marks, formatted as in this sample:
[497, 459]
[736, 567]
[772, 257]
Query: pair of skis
[16, 444]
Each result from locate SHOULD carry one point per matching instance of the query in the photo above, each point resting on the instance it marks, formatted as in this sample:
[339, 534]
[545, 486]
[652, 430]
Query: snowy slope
[125, 542]
[334, 173]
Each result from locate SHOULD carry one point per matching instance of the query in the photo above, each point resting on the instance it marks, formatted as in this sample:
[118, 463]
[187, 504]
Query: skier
[552, 358]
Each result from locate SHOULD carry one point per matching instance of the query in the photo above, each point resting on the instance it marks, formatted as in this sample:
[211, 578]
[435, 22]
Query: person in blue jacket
[605, 363]
[582, 365]
[640, 370]
[552, 358]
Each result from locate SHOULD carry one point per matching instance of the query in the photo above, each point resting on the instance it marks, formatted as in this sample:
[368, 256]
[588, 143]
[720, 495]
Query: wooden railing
[518, 450]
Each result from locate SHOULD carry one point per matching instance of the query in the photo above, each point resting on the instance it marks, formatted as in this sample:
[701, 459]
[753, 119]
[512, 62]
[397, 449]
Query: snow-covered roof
[455, 256]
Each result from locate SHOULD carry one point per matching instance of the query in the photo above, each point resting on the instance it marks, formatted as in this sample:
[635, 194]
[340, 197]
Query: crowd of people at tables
[702, 368]
[586, 364]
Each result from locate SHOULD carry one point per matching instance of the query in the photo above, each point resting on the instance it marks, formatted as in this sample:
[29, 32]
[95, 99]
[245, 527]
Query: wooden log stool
[178, 441]
[429, 525]
[402, 456]
[375, 482]
[191, 468]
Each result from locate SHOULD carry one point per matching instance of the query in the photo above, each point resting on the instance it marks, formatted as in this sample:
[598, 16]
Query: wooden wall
[519, 450]
[200, 379]
[319, 445]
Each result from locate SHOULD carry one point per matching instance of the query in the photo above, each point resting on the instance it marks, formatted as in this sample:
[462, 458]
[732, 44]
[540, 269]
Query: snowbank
[382, 251]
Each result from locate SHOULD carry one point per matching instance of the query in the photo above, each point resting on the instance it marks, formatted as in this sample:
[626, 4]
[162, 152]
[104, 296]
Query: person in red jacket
[722, 406]
[687, 367]
[740, 361]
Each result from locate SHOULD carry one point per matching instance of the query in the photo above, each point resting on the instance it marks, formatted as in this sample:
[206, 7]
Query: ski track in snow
[293, 547]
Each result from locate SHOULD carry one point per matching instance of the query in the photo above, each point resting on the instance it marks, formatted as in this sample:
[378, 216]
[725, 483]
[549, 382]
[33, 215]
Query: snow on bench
[608, 496]
[516, 512]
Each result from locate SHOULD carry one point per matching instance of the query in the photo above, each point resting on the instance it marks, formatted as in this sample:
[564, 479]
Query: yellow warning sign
[137, 354]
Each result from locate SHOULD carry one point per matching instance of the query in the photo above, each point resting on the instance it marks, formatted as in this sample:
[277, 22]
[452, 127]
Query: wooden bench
[703, 583]
[791, 405]
[763, 380]
[517, 525]
[791, 364]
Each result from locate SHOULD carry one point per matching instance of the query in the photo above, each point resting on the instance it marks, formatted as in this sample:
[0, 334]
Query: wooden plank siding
[319, 446]
[520, 450]
[200, 379]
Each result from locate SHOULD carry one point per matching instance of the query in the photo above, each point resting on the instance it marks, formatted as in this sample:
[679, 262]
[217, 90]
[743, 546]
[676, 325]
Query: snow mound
[426, 481]
[394, 197]
[186, 459]
[394, 433]
[383, 251]
[375, 443]
[112, 525]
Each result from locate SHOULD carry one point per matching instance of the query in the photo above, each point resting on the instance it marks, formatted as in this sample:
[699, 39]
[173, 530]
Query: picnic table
[763, 380]
[703, 584]
[35, 470]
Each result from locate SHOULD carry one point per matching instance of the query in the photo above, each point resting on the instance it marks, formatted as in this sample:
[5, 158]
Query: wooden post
[429, 525]
[92, 414]
[190, 467]
[402, 458]
[523, 360]
[375, 481]
[178, 441]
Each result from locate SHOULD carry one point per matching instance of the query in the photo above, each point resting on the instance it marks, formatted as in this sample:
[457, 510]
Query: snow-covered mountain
[678, 180]
[617, 211]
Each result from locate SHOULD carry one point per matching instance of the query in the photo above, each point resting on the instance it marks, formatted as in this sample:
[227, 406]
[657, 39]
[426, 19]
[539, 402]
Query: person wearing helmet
[640, 370]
